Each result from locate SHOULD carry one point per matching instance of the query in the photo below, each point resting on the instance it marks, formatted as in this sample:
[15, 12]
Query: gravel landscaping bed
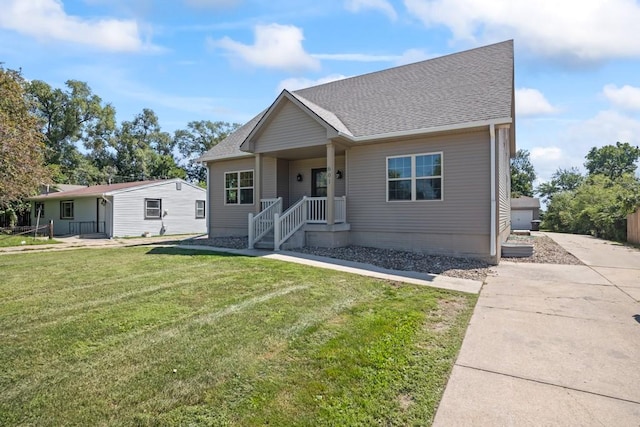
[545, 251]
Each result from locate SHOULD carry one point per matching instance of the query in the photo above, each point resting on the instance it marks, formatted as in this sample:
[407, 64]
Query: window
[152, 208]
[200, 209]
[39, 209]
[66, 209]
[238, 188]
[178, 186]
[416, 177]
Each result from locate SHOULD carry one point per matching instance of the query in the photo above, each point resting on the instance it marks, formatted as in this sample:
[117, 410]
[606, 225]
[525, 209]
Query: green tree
[196, 140]
[22, 167]
[561, 180]
[612, 161]
[144, 151]
[522, 174]
[70, 117]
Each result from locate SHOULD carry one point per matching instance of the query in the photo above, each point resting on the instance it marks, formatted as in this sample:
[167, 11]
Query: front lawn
[164, 336]
[7, 240]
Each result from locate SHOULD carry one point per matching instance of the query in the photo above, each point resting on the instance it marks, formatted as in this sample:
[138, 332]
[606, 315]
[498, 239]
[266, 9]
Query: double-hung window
[66, 209]
[200, 209]
[152, 208]
[238, 188]
[414, 177]
[39, 209]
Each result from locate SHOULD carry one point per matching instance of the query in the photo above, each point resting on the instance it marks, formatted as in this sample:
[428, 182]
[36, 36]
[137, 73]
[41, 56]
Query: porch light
[339, 174]
[299, 177]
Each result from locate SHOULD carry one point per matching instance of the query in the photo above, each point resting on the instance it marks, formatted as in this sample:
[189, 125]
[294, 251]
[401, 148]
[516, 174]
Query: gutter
[446, 128]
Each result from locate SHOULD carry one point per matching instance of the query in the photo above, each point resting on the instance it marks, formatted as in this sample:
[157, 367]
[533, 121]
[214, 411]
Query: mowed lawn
[166, 336]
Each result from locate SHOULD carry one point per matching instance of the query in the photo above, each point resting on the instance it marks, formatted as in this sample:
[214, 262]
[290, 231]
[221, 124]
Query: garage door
[521, 220]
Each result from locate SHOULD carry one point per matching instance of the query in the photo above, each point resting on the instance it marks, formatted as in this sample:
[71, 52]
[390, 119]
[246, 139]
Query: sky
[577, 62]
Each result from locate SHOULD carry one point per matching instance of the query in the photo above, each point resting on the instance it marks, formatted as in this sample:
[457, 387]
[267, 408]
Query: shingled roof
[466, 87]
[99, 190]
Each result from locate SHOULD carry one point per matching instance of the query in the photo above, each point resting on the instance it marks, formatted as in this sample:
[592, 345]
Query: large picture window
[415, 177]
[238, 188]
[152, 208]
[66, 209]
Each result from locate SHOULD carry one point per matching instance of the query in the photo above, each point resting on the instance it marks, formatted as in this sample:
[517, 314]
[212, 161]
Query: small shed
[524, 210]
[171, 206]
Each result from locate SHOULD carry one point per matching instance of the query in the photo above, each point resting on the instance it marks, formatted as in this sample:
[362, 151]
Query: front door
[319, 182]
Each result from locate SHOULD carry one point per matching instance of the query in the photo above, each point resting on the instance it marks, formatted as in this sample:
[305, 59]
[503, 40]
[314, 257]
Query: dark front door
[319, 182]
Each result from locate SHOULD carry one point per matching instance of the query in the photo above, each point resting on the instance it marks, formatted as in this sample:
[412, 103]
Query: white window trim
[239, 188]
[146, 209]
[204, 209]
[73, 209]
[413, 177]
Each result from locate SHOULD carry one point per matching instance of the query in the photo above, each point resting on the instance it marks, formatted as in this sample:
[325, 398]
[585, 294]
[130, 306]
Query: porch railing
[308, 210]
[262, 223]
[284, 226]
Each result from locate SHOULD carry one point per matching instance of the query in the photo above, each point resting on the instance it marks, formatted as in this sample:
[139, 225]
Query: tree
[522, 175]
[612, 161]
[69, 117]
[143, 151]
[22, 167]
[561, 180]
[196, 140]
[599, 206]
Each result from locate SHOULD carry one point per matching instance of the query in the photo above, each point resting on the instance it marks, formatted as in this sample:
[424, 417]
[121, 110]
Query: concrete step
[517, 250]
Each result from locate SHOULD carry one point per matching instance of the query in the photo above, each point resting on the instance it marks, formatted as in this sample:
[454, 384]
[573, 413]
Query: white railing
[284, 226]
[308, 210]
[263, 222]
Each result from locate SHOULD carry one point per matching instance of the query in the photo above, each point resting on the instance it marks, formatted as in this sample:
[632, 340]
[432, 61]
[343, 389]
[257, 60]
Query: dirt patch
[405, 401]
[447, 311]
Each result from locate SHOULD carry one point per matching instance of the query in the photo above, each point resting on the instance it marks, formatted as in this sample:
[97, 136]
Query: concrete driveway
[553, 344]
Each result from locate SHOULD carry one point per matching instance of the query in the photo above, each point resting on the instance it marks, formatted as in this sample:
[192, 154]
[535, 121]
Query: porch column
[331, 187]
[257, 181]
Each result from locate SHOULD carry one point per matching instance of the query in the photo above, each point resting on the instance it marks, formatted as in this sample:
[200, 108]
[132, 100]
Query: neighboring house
[524, 210]
[171, 206]
[414, 157]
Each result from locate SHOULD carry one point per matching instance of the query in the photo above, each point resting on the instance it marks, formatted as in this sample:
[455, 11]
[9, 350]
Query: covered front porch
[310, 203]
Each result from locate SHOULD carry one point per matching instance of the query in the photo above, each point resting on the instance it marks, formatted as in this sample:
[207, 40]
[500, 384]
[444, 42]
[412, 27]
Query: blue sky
[577, 62]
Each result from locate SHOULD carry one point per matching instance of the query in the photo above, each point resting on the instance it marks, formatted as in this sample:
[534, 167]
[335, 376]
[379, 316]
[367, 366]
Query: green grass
[163, 336]
[9, 240]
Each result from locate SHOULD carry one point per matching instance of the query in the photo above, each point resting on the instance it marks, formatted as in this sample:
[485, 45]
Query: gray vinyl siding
[227, 220]
[269, 177]
[290, 127]
[464, 210]
[129, 210]
[504, 178]
[283, 182]
[299, 189]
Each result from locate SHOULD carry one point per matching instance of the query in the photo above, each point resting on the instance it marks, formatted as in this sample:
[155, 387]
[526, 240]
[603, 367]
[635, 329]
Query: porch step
[517, 250]
[93, 236]
[267, 242]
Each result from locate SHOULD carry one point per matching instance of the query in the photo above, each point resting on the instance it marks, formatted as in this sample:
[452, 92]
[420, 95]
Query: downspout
[492, 233]
[207, 204]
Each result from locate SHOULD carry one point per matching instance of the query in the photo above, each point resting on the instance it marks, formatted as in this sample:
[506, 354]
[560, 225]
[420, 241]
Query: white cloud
[547, 153]
[585, 31]
[606, 127]
[626, 97]
[407, 57]
[531, 102]
[276, 46]
[46, 20]
[382, 5]
[301, 82]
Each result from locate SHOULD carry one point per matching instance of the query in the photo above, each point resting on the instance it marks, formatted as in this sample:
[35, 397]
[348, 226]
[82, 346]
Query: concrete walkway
[552, 345]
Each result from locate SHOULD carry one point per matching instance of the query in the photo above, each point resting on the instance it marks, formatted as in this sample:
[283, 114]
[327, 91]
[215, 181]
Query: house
[524, 210]
[171, 206]
[414, 157]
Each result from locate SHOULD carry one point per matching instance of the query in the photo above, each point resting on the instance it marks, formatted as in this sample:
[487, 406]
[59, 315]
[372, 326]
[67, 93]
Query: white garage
[523, 211]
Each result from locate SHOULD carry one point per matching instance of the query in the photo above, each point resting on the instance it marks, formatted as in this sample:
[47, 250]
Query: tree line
[595, 203]
[70, 135]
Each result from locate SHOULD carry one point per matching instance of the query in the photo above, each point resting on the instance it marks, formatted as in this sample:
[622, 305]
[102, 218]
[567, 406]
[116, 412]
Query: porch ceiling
[313, 152]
